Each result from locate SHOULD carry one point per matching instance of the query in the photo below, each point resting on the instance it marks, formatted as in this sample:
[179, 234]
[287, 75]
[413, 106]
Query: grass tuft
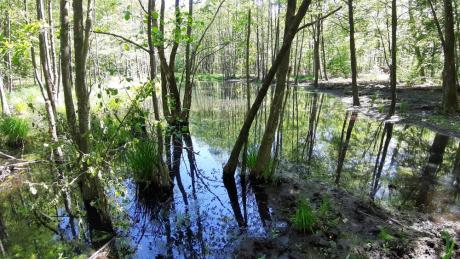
[449, 245]
[304, 218]
[15, 130]
[143, 160]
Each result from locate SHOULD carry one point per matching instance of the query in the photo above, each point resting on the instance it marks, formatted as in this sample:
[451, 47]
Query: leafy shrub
[108, 129]
[304, 218]
[15, 130]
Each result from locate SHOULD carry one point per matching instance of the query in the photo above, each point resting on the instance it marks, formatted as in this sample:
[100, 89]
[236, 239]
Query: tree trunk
[232, 162]
[450, 99]
[45, 61]
[323, 54]
[5, 108]
[92, 191]
[164, 179]
[354, 71]
[187, 103]
[316, 57]
[394, 28]
[66, 69]
[9, 70]
[264, 153]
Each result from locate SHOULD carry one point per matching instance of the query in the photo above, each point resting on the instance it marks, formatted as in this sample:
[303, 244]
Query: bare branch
[319, 19]
[123, 39]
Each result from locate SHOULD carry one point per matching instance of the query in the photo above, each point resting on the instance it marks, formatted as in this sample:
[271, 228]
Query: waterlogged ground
[379, 167]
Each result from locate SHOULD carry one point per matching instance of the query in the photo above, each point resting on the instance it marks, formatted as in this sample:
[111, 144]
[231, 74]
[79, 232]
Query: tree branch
[436, 21]
[319, 19]
[123, 39]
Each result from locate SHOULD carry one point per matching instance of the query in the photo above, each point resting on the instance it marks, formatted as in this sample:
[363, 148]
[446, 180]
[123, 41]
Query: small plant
[403, 107]
[449, 245]
[325, 207]
[304, 218]
[143, 160]
[374, 97]
[251, 157]
[15, 130]
[385, 235]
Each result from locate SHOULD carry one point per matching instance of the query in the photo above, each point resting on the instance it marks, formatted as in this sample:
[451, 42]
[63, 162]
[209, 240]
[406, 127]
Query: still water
[400, 167]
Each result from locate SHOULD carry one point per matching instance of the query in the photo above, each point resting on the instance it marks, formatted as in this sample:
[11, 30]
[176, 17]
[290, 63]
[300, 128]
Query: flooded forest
[230, 129]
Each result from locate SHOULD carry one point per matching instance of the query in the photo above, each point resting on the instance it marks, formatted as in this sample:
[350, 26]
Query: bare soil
[352, 229]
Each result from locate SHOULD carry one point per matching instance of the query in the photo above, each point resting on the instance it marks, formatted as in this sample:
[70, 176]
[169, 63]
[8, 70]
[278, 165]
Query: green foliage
[385, 235]
[251, 157]
[403, 107]
[304, 218]
[325, 207]
[15, 130]
[338, 65]
[449, 245]
[108, 129]
[143, 160]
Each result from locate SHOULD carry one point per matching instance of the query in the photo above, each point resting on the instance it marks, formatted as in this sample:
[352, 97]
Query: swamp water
[400, 167]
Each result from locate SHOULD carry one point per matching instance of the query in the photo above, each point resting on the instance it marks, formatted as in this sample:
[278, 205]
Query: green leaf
[127, 14]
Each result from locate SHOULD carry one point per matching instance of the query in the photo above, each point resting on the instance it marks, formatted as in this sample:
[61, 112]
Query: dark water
[401, 167]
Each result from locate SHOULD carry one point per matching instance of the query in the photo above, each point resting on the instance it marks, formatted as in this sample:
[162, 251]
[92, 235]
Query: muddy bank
[352, 228]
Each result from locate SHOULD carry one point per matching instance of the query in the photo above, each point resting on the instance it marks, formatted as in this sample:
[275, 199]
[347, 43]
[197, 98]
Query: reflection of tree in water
[456, 173]
[429, 174]
[381, 157]
[344, 142]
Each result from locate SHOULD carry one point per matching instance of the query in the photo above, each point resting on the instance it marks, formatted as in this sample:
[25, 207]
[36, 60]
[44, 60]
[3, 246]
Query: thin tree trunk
[354, 71]
[232, 162]
[187, 101]
[9, 69]
[5, 107]
[52, 50]
[92, 191]
[66, 69]
[323, 54]
[450, 99]
[264, 153]
[316, 57]
[394, 50]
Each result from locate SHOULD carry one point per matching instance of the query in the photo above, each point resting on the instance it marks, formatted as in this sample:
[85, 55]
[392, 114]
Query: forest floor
[418, 105]
[351, 228]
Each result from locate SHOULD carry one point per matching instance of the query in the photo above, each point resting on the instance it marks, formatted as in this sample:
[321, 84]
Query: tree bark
[450, 99]
[187, 103]
[316, 56]
[66, 69]
[92, 191]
